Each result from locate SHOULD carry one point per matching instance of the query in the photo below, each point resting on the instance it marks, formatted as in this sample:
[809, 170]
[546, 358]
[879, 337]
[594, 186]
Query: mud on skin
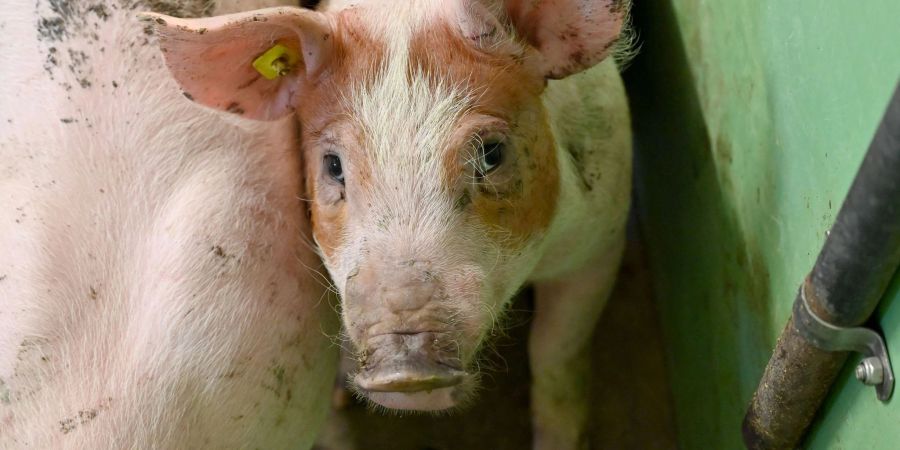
[60, 22]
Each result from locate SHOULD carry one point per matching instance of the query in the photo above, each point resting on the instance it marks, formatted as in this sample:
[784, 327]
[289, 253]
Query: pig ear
[570, 35]
[213, 58]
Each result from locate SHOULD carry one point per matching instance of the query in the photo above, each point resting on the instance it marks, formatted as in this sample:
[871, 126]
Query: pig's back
[154, 278]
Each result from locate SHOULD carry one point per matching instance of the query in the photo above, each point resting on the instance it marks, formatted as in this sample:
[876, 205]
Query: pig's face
[430, 165]
[431, 182]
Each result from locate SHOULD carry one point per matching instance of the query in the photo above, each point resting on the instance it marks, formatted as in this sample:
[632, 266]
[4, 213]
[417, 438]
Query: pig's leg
[566, 311]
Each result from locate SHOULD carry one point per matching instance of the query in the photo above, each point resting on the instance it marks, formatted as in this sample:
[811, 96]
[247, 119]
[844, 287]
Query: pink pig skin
[158, 288]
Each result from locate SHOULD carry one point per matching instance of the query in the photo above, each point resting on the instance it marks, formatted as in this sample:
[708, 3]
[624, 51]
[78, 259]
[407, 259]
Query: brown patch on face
[504, 88]
[328, 220]
[527, 211]
[357, 54]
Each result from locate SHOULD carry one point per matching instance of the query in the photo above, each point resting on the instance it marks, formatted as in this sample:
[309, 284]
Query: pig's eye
[490, 155]
[333, 167]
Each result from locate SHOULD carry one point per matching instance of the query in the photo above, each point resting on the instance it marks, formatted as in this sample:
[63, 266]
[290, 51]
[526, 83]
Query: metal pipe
[861, 253]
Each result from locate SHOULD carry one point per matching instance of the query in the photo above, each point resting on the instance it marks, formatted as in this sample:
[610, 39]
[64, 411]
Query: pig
[158, 287]
[454, 151]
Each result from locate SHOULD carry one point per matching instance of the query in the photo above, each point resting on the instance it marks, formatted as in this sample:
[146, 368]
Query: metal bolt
[870, 371]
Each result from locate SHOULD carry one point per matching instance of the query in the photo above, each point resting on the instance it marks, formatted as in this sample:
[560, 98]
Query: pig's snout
[406, 287]
[398, 315]
[410, 364]
[412, 372]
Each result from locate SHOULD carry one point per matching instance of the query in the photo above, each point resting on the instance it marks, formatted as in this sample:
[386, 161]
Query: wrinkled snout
[393, 289]
[412, 371]
[410, 334]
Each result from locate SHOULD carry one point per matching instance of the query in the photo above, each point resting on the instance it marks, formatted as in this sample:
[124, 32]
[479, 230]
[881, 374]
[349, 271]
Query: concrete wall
[752, 117]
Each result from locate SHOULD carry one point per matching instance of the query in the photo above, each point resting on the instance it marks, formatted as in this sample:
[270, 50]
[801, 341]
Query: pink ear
[571, 35]
[212, 58]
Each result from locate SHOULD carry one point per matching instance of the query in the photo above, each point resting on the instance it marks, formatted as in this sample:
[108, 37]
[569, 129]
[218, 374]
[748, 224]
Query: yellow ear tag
[276, 62]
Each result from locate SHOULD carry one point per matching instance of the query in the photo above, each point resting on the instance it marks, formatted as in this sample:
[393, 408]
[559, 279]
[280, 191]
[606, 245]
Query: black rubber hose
[863, 249]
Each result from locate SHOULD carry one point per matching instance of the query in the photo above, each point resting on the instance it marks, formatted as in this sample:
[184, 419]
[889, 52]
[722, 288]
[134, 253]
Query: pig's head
[431, 169]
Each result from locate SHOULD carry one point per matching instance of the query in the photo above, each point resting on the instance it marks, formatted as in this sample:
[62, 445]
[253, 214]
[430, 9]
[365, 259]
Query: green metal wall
[751, 119]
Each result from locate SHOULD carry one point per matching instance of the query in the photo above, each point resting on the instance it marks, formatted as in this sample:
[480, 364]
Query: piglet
[453, 151]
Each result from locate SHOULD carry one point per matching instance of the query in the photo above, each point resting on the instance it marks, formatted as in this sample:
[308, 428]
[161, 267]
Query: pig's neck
[593, 139]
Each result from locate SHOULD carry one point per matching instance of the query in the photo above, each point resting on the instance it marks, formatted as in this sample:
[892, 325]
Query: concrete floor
[632, 406]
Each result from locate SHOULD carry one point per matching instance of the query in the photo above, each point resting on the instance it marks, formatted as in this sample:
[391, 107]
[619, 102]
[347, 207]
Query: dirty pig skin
[157, 286]
[453, 151]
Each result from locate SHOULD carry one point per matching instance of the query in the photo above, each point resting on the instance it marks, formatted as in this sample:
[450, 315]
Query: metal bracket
[875, 368]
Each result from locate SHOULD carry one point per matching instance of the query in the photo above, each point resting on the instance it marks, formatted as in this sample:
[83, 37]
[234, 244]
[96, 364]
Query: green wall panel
[751, 119]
